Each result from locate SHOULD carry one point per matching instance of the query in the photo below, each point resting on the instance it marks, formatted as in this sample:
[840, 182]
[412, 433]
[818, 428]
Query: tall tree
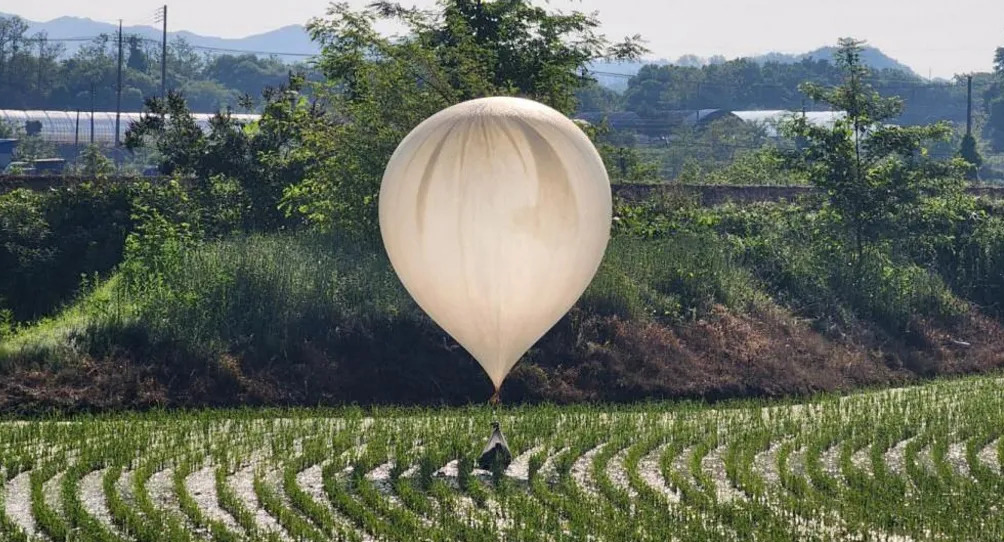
[137, 56]
[261, 158]
[874, 174]
[379, 88]
[970, 152]
[13, 31]
[995, 123]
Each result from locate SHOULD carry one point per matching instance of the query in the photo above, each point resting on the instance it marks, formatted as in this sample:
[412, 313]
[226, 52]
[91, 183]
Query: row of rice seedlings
[218, 531]
[51, 522]
[271, 500]
[232, 504]
[9, 530]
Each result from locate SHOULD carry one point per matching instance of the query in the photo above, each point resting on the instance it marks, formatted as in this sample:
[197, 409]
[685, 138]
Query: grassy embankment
[735, 301]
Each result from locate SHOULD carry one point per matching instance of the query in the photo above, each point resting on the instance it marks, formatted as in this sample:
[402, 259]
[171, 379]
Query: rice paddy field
[919, 463]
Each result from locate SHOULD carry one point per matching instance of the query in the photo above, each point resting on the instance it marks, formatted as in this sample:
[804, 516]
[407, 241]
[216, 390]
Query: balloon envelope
[495, 214]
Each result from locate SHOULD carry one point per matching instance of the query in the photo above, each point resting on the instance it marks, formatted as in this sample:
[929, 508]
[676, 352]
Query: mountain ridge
[292, 42]
[612, 74]
[289, 42]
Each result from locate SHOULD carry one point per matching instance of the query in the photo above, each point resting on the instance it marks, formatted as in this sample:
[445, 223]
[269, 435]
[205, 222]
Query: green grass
[55, 341]
[267, 294]
[918, 463]
[306, 317]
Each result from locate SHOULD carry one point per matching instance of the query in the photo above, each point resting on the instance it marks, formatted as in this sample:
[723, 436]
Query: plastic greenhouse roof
[770, 119]
[70, 127]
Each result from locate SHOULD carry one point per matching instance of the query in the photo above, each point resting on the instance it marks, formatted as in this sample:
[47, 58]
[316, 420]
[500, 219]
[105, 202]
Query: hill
[615, 75]
[295, 40]
[872, 56]
[291, 39]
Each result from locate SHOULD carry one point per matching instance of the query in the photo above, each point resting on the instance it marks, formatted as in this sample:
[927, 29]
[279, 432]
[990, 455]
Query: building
[83, 127]
[666, 122]
[770, 120]
[7, 147]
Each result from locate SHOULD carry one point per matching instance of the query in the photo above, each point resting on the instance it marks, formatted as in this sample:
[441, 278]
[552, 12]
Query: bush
[48, 240]
[671, 279]
[801, 258]
[798, 253]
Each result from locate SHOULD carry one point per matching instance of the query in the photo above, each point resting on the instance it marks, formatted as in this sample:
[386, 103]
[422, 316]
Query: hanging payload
[496, 452]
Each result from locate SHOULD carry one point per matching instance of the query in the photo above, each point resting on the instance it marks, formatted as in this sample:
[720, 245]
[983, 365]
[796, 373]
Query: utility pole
[92, 113]
[41, 60]
[162, 16]
[969, 107]
[118, 93]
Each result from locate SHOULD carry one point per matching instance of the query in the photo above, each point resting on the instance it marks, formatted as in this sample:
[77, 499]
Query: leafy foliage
[745, 84]
[35, 73]
[48, 240]
[995, 124]
[260, 159]
[94, 163]
[874, 174]
[379, 88]
[7, 130]
[970, 152]
[33, 147]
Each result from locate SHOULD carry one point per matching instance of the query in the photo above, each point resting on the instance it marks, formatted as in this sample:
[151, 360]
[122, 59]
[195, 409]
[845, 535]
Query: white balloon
[495, 214]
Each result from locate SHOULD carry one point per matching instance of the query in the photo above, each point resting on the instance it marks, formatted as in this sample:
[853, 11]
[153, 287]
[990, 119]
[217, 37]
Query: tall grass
[55, 341]
[672, 279]
[271, 297]
[270, 292]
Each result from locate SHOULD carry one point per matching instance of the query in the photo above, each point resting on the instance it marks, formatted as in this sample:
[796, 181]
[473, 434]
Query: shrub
[672, 279]
[49, 239]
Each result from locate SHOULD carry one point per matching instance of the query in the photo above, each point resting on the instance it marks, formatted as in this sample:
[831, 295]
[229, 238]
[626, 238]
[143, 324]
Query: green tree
[33, 148]
[262, 158]
[995, 104]
[875, 175]
[246, 74]
[94, 163]
[7, 130]
[656, 92]
[379, 88]
[995, 124]
[971, 154]
[137, 56]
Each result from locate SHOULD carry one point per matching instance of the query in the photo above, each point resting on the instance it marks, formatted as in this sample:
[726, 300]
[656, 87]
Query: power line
[246, 51]
[193, 46]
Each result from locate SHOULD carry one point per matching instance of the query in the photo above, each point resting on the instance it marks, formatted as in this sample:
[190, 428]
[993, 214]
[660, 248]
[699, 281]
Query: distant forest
[746, 84]
[36, 73]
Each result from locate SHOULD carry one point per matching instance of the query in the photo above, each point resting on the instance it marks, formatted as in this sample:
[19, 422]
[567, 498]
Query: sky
[934, 37]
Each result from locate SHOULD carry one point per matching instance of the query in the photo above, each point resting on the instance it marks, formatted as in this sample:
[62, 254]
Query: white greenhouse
[72, 127]
[771, 120]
